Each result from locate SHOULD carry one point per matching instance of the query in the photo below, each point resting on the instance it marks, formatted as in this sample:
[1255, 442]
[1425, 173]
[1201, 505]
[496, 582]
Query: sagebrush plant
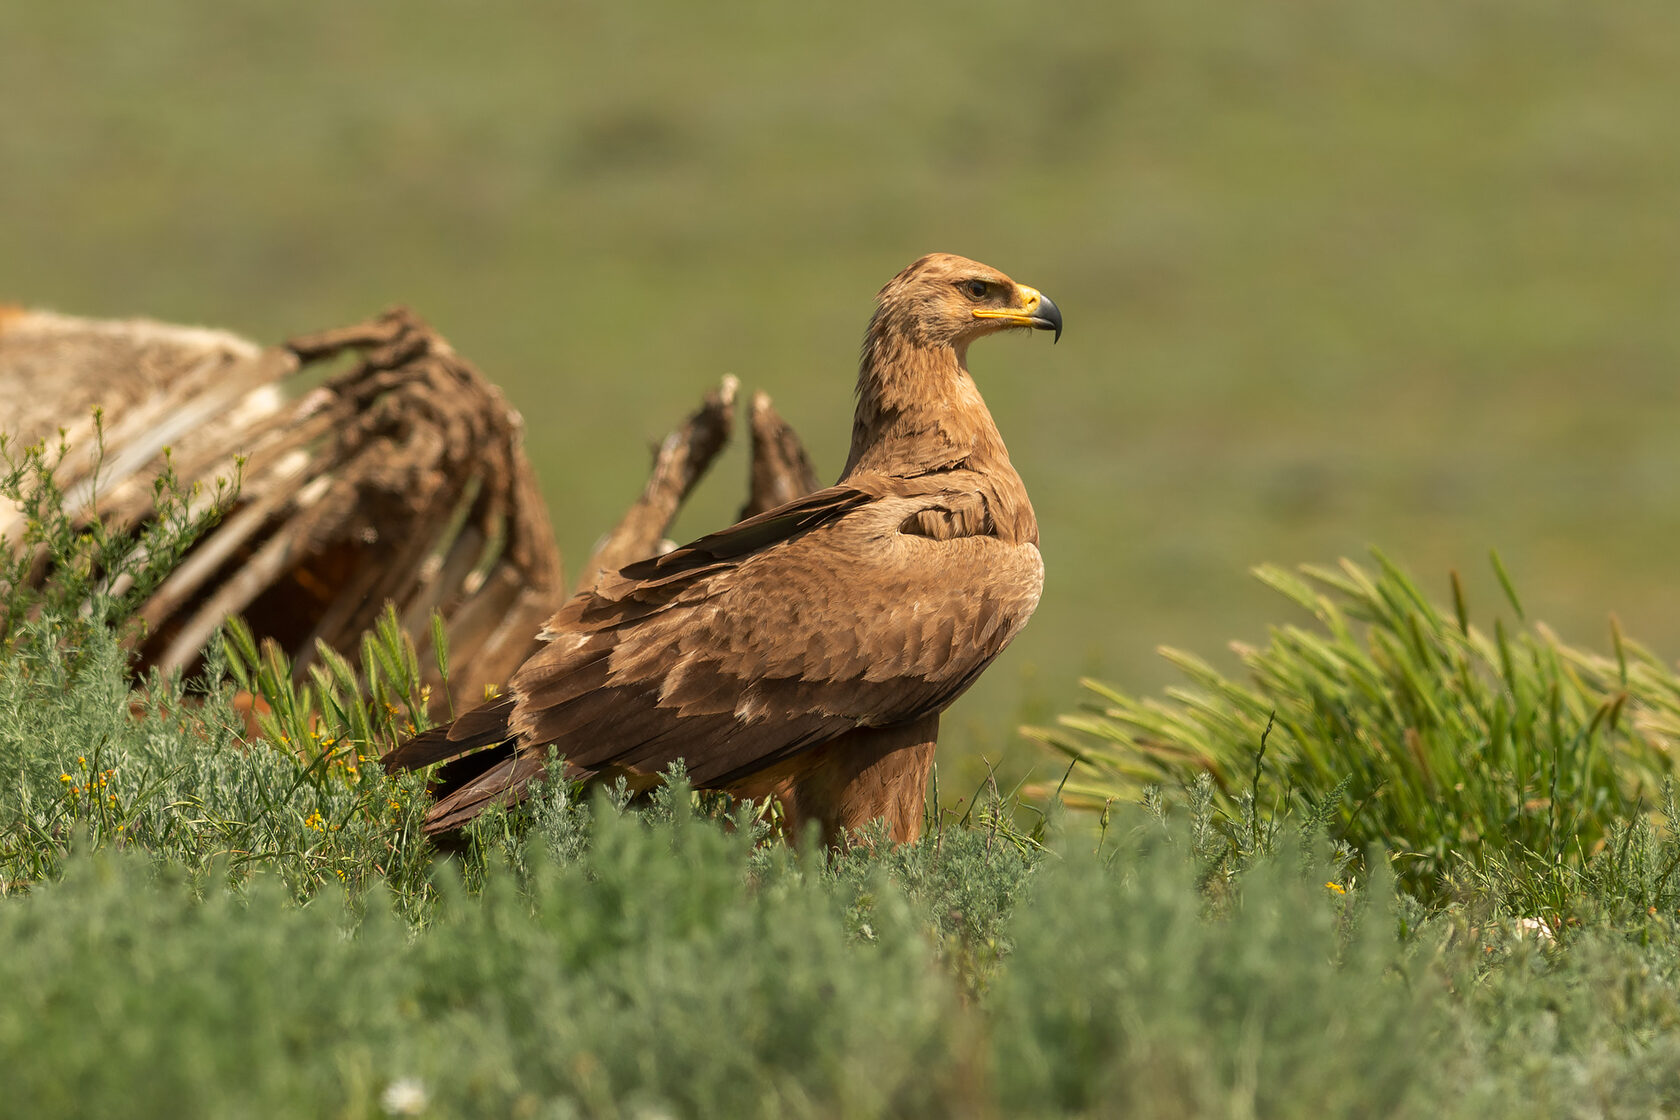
[665, 968]
[88, 749]
[207, 921]
[169, 770]
[72, 568]
[670, 964]
[1452, 745]
[1122, 998]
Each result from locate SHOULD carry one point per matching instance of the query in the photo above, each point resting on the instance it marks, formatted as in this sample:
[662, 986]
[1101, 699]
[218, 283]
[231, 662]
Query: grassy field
[1335, 273]
[197, 924]
[1437, 880]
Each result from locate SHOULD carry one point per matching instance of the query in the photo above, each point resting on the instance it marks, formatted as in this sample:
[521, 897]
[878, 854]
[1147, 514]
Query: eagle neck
[919, 411]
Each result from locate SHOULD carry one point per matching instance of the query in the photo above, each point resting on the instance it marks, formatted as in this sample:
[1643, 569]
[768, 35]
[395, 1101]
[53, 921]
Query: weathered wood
[401, 479]
[55, 370]
[781, 470]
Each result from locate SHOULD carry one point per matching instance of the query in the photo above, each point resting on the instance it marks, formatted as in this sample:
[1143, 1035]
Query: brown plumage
[805, 653]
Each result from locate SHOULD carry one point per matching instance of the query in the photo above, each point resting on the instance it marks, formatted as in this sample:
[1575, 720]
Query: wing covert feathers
[484, 726]
[751, 645]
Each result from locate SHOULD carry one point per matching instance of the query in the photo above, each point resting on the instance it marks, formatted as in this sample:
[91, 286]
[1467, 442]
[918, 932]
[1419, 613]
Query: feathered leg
[850, 781]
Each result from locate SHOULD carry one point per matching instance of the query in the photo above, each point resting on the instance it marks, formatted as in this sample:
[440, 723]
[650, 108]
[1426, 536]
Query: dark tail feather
[484, 726]
[503, 784]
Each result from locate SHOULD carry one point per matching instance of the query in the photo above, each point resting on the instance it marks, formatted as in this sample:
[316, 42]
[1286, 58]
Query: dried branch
[781, 471]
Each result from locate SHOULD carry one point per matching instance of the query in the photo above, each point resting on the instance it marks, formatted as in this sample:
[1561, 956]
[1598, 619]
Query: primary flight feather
[805, 653]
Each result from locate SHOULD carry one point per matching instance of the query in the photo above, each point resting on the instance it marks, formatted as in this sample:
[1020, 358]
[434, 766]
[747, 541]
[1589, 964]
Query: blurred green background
[1335, 272]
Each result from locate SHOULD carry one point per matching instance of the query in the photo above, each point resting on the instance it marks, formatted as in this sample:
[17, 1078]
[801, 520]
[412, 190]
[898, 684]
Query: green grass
[1453, 745]
[669, 966]
[1335, 272]
[196, 921]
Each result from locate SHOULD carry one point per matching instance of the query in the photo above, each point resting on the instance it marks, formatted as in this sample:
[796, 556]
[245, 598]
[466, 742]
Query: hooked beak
[1037, 311]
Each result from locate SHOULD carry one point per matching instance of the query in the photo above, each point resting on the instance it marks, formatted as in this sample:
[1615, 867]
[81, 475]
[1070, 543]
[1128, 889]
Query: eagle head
[947, 300]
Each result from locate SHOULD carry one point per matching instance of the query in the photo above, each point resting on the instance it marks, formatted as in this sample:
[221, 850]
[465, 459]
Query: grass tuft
[1458, 749]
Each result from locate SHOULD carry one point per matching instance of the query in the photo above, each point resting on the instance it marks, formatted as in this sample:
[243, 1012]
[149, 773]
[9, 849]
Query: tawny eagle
[805, 653]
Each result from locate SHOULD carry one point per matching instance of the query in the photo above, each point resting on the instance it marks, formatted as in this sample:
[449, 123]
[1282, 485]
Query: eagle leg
[849, 781]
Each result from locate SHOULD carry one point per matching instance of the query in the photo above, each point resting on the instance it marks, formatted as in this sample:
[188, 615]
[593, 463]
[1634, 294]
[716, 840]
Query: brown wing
[488, 724]
[851, 607]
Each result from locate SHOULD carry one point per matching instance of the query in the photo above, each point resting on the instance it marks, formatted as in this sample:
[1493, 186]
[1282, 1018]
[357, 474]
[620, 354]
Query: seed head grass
[1458, 747]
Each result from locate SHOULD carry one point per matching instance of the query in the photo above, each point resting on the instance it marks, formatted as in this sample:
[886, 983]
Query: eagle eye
[976, 289]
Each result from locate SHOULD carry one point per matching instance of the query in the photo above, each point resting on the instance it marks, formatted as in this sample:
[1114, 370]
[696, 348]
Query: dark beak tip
[1048, 317]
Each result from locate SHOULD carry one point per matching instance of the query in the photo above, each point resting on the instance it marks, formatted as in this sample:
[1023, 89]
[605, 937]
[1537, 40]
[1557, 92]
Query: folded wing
[860, 605]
